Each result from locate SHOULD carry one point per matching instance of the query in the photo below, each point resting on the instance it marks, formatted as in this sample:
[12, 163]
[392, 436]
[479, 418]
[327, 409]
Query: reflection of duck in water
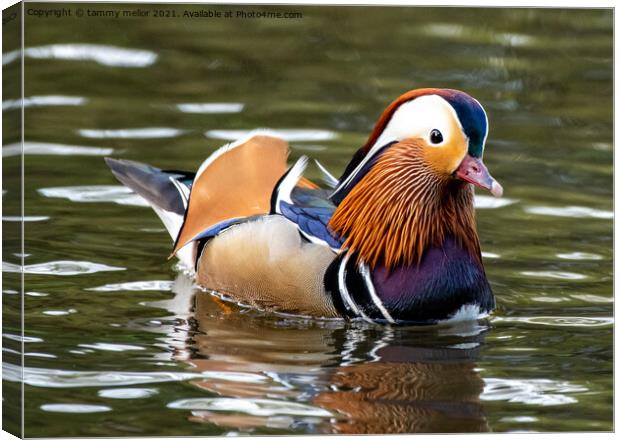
[263, 373]
[408, 389]
[394, 241]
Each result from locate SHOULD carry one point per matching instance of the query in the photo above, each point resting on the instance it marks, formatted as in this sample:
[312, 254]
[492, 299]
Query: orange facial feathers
[401, 206]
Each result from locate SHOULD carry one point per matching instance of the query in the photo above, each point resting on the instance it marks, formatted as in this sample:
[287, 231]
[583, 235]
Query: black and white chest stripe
[352, 291]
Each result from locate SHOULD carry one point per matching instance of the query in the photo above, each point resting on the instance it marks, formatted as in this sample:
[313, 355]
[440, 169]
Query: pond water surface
[119, 342]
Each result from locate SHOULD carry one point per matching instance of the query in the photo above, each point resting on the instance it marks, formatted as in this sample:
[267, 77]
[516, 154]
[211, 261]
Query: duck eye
[436, 136]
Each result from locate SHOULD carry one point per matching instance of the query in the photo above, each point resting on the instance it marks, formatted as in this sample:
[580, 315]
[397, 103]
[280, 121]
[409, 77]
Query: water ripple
[579, 256]
[62, 267]
[555, 274]
[289, 134]
[488, 202]
[476, 35]
[104, 346]
[127, 393]
[111, 56]
[570, 211]
[45, 377]
[313, 148]
[59, 312]
[541, 392]
[37, 294]
[548, 299]
[120, 195]
[41, 355]
[211, 107]
[519, 419]
[558, 321]
[161, 286]
[26, 218]
[592, 298]
[450, 30]
[19, 338]
[511, 39]
[75, 408]
[9, 57]
[131, 133]
[254, 407]
[48, 149]
[490, 255]
[42, 101]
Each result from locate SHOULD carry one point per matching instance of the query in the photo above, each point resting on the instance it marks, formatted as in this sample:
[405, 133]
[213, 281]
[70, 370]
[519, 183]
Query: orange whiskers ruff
[401, 207]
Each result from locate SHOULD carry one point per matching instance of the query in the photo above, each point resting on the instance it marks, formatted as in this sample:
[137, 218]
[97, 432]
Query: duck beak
[472, 170]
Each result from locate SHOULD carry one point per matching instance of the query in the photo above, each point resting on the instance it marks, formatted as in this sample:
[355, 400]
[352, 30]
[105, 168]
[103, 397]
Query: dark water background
[117, 341]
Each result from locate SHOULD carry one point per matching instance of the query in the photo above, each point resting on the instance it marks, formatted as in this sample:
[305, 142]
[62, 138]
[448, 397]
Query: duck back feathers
[235, 181]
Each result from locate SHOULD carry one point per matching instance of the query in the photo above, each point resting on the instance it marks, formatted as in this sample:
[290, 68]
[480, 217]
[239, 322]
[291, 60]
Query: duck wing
[236, 181]
[305, 205]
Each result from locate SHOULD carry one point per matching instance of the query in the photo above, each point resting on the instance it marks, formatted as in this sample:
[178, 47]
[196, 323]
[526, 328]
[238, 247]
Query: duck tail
[166, 191]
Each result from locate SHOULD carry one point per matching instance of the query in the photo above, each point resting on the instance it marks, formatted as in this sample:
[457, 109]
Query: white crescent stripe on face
[414, 119]
[373, 294]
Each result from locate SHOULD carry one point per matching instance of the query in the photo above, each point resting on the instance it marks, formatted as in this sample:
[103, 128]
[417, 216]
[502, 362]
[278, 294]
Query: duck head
[411, 185]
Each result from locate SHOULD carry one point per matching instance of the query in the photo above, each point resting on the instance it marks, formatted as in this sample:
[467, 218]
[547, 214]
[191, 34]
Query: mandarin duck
[393, 241]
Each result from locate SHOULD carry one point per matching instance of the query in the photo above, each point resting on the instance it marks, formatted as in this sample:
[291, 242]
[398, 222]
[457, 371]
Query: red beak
[472, 170]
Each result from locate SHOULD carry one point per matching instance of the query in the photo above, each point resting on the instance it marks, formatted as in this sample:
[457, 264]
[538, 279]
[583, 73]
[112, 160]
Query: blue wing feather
[312, 221]
[219, 227]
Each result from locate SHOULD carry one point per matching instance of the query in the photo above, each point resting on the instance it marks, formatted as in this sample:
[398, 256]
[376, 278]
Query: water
[117, 340]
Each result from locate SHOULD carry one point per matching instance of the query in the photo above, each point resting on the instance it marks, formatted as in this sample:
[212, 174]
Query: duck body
[299, 277]
[447, 284]
[265, 263]
[394, 241]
